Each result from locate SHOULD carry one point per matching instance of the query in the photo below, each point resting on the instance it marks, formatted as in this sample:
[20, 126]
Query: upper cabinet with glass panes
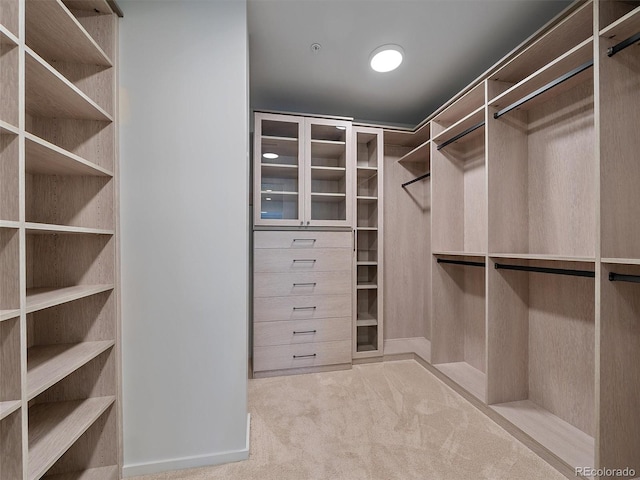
[302, 171]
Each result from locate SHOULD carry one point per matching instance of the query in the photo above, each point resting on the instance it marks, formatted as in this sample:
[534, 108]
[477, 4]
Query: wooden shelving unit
[368, 325]
[59, 324]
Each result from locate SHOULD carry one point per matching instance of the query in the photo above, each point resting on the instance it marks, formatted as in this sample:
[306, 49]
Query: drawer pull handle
[304, 240]
[304, 356]
[303, 331]
[305, 308]
[305, 260]
[308, 284]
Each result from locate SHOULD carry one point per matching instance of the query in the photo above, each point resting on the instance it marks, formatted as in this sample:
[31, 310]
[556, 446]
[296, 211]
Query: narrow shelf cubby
[10, 268]
[542, 174]
[619, 141]
[458, 338]
[618, 367]
[10, 378]
[9, 175]
[366, 276]
[541, 352]
[9, 56]
[366, 245]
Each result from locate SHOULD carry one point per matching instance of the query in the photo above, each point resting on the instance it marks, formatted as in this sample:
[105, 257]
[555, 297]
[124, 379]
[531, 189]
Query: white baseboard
[190, 462]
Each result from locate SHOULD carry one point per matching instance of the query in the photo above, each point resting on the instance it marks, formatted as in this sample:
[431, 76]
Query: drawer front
[306, 239]
[301, 355]
[302, 260]
[301, 331]
[301, 307]
[311, 283]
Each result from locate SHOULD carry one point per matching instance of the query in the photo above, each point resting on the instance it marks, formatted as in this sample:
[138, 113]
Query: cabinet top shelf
[53, 32]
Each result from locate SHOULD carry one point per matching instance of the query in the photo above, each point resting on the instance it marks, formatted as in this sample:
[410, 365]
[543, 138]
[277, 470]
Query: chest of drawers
[302, 306]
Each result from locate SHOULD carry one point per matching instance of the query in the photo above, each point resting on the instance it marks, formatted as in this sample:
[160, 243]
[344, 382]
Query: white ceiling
[447, 44]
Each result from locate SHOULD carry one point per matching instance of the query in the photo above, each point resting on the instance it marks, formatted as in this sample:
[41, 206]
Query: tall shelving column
[59, 330]
[617, 119]
[368, 294]
[12, 416]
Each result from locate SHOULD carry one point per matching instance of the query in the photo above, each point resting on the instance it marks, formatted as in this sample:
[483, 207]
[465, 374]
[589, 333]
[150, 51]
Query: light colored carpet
[380, 421]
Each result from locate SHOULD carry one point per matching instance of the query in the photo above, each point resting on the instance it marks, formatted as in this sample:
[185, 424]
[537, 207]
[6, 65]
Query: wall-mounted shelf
[8, 407]
[41, 298]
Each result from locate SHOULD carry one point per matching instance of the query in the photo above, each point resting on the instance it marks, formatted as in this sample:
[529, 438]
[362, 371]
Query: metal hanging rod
[555, 271]
[460, 135]
[622, 45]
[541, 90]
[416, 179]
[618, 277]
[461, 262]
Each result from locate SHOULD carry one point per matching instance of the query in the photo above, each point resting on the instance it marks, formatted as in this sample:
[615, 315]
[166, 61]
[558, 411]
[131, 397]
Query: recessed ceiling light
[270, 156]
[386, 58]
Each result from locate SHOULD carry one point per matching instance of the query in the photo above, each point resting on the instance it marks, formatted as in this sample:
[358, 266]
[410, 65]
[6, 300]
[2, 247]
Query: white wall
[184, 232]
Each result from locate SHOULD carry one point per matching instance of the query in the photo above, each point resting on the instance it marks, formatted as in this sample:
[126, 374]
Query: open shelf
[41, 298]
[408, 138]
[461, 126]
[420, 154]
[49, 94]
[8, 129]
[366, 322]
[470, 378]
[54, 428]
[8, 407]
[55, 34]
[47, 365]
[568, 33]
[572, 59]
[9, 314]
[623, 27]
[570, 444]
[45, 229]
[621, 261]
[454, 114]
[474, 256]
[44, 158]
[551, 258]
[366, 286]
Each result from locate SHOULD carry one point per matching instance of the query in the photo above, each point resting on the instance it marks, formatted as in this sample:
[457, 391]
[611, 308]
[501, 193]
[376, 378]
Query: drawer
[301, 355]
[304, 239]
[302, 260]
[301, 331]
[301, 307]
[310, 283]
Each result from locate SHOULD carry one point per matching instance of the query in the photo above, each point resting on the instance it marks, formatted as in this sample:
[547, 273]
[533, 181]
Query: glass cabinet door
[278, 170]
[329, 172]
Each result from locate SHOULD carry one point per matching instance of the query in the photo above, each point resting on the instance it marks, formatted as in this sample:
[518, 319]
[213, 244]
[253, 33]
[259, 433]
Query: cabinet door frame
[349, 173]
[257, 170]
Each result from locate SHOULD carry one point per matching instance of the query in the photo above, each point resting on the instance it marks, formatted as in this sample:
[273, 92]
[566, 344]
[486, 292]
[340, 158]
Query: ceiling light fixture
[270, 156]
[386, 58]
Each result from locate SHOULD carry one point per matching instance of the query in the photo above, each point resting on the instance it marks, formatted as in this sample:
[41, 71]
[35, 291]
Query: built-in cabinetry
[59, 330]
[534, 247]
[369, 261]
[303, 170]
[302, 306]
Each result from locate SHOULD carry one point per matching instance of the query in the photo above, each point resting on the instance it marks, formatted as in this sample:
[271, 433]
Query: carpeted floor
[380, 421]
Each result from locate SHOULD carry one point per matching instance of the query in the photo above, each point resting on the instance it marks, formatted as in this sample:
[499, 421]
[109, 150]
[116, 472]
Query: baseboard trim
[196, 461]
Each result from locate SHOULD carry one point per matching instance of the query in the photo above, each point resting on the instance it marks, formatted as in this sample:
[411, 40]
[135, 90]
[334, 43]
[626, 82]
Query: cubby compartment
[541, 352]
[459, 192]
[81, 265]
[618, 367]
[10, 380]
[10, 268]
[367, 153]
[366, 246]
[367, 213]
[367, 183]
[79, 201]
[10, 15]
[367, 338]
[542, 176]
[367, 276]
[620, 142]
[458, 342]
[9, 176]
[367, 308]
[11, 446]
[9, 78]
[78, 412]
